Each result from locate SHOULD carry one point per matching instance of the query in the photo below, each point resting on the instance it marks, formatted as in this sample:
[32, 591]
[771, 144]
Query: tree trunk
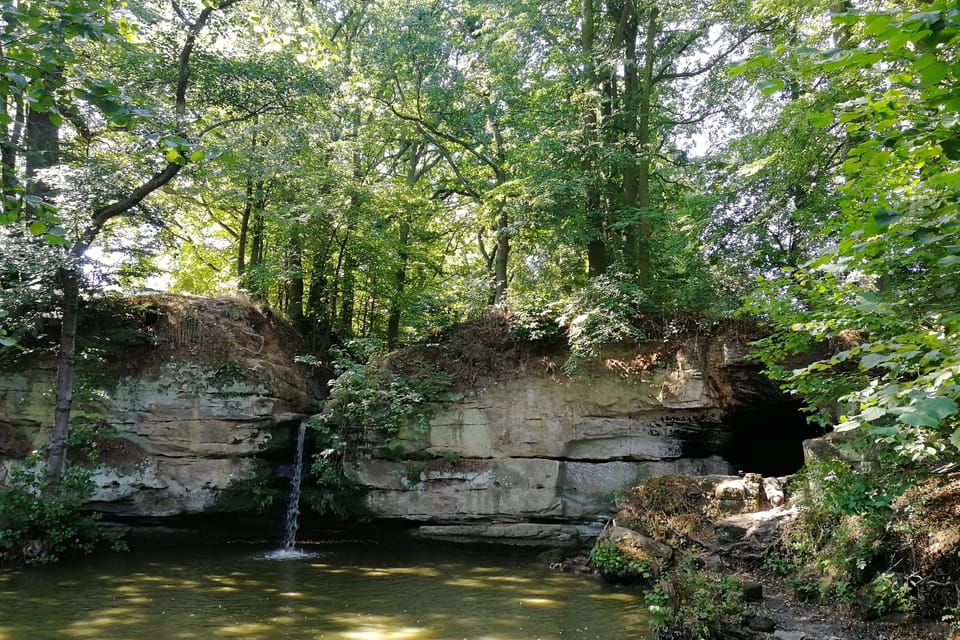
[502, 258]
[399, 283]
[43, 151]
[258, 241]
[57, 448]
[347, 296]
[43, 147]
[295, 286]
[596, 244]
[244, 229]
[645, 227]
[629, 117]
[9, 145]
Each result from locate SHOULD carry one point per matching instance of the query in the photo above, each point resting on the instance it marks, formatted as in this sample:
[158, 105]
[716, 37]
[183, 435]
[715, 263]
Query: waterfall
[292, 523]
[293, 506]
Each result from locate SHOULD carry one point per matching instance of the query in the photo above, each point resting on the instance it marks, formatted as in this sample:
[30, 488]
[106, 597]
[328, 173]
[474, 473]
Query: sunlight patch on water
[244, 630]
[510, 579]
[614, 597]
[374, 633]
[472, 583]
[101, 622]
[540, 602]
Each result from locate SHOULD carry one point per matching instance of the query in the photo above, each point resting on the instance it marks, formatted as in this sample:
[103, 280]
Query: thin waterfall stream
[292, 522]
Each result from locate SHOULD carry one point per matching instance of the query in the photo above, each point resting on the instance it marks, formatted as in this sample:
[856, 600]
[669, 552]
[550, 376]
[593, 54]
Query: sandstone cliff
[202, 391]
[199, 387]
[535, 455]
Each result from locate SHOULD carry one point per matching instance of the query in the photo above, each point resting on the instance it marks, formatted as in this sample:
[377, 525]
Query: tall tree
[53, 31]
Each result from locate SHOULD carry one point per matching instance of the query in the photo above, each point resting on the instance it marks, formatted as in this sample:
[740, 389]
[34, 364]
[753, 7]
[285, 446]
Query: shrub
[695, 604]
[841, 538]
[255, 494]
[328, 492]
[39, 525]
[615, 565]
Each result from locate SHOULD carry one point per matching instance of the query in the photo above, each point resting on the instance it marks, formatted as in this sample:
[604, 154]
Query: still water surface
[345, 593]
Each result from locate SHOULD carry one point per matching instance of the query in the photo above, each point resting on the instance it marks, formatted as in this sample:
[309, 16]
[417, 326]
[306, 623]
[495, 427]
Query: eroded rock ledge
[205, 386]
[541, 457]
[520, 453]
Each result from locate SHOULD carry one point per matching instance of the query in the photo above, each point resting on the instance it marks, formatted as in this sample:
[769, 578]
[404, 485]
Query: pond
[343, 593]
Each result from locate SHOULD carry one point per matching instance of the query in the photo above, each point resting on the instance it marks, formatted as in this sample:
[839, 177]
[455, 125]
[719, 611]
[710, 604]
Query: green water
[368, 593]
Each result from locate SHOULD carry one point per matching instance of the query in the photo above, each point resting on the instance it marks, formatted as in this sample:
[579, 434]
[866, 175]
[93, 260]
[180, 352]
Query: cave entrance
[768, 440]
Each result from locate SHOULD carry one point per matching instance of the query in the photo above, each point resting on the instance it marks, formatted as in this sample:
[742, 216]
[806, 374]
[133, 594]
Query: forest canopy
[380, 170]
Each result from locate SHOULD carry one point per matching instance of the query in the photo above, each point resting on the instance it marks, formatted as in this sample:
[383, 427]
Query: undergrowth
[845, 545]
[41, 523]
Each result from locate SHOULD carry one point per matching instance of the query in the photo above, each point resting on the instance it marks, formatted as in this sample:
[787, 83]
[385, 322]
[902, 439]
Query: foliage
[328, 492]
[890, 594]
[615, 565]
[227, 374]
[695, 603]
[666, 508]
[604, 312]
[889, 274]
[38, 525]
[256, 493]
[841, 537]
[375, 399]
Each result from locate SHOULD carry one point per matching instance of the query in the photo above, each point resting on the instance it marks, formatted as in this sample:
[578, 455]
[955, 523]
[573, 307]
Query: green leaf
[847, 425]
[7, 342]
[917, 419]
[948, 261]
[955, 439]
[172, 156]
[871, 360]
[197, 156]
[885, 217]
[938, 408]
[933, 74]
[820, 119]
[769, 87]
[38, 228]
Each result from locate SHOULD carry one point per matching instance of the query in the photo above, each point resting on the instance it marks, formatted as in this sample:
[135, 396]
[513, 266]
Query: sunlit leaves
[892, 271]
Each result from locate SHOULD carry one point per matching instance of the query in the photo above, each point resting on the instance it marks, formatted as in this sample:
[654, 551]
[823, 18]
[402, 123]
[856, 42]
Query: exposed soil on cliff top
[206, 330]
[501, 347]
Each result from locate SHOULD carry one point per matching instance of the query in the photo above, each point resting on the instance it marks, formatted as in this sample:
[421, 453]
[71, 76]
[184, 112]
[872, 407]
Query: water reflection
[352, 594]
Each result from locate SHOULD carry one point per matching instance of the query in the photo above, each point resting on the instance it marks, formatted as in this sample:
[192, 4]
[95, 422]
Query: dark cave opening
[769, 440]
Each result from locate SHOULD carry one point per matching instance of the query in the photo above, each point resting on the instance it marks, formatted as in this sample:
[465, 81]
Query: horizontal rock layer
[553, 452]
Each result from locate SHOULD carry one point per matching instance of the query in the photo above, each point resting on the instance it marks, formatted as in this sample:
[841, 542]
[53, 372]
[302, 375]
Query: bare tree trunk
[347, 295]
[596, 244]
[244, 229]
[645, 227]
[57, 447]
[399, 284]
[9, 145]
[295, 286]
[502, 257]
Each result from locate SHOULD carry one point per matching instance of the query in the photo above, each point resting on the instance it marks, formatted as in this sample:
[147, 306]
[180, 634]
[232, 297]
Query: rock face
[211, 387]
[209, 390]
[548, 452]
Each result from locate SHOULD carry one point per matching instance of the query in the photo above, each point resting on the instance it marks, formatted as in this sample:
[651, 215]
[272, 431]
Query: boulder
[633, 541]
